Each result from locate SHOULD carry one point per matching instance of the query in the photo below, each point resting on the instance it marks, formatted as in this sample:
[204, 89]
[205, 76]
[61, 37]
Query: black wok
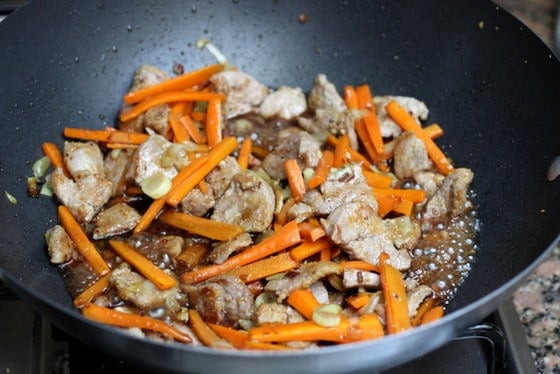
[489, 81]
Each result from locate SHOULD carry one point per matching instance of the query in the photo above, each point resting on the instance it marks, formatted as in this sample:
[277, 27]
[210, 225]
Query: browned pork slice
[115, 220]
[134, 288]
[160, 249]
[307, 274]
[83, 159]
[157, 119]
[451, 197]
[352, 278]
[271, 313]
[410, 156]
[218, 180]
[224, 300]
[286, 102]
[403, 232]
[429, 181]
[222, 250]
[249, 201]
[389, 128]
[299, 146]
[149, 159]
[116, 166]
[324, 95]
[244, 93]
[415, 298]
[59, 245]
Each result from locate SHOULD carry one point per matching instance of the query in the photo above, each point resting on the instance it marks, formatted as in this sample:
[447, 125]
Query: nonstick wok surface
[490, 83]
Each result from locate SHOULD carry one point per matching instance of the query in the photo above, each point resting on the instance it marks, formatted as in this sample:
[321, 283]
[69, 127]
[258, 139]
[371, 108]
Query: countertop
[537, 300]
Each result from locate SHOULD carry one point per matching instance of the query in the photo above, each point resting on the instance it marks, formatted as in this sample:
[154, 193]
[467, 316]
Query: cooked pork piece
[249, 202]
[224, 300]
[59, 245]
[402, 231]
[136, 289]
[415, 298]
[84, 197]
[157, 119]
[389, 128]
[352, 278]
[147, 160]
[286, 102]
[271, 313]
[83, 159]
[451, 196]
[222, 250]
[324, 95]
[115, 220]
[307, 274]
[160, 249]
[410, 156]
[299, 146]
[244, 92]
[116, 167]
[218, 180]
[428, 181]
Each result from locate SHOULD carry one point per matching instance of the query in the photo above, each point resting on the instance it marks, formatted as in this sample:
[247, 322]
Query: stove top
[29, 344]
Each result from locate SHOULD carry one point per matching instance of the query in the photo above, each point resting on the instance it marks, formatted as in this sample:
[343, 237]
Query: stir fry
[220, 211]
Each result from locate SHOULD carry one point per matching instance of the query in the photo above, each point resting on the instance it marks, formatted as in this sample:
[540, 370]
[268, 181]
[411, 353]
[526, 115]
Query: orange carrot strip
[55, 156]
[236, 338]
[434, 131]
[282, 216]
[167, 98]
[143, 265]
[322, 170]
[325, 254]
[201, 226]
[355, 156]
[112, 136]
[92, 291]
[426, 305]
[377, 180]
[115, 318]
[179, 129]
[264, 268]
[203, 332]
[432, 315]
[363, 135]
[244, 153]
[311, 231]
[394, 293]
[404, 207]
[374, 131]
[192, 129]
[216, 154]
[193, 254]
[199, 116]
[358, 265]
[350, 97]
[414, 195]
[386, 203]
[83, 245]
[408, 123]
[295, 179]
[121, 146]
[364, 97]
[214, 122]
[308, 249]
[259, 151]
[183, 81]
[340, 150]
[358, 301]
[303, 301]
[286, 237]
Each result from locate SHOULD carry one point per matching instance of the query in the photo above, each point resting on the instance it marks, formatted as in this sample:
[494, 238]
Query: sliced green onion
[11, 198]
[156, 185]
[41, 166]
[327, 315]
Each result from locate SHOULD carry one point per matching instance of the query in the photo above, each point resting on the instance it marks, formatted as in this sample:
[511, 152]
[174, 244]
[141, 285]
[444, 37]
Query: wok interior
[491, 86]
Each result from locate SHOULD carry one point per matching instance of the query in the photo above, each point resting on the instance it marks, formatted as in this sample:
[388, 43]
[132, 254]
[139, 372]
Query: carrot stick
[354, 155]
[374, 131]
[311, 231]
[308, 249]
[426, 305]
[358, 301]
[167, 98]
[286, 237]
[216, 154]
[179, 129]
[192, 129]
[111, 136]
[295, 179]
[377, 180]
[214, 122]
[303, 301]
[143, 265]
[340, 150]
[92, 291]
[264, 268]
[282, 216]
[236, 338]
[204, 332]
[186, 80]
[201, 226]
[244, 153]
[408, 123]
[394, 293]
[363, 135]
[83, 245]
[55, 156]
[432, 315]
[120, 319]
[386, 203]
[192, 255]
[364, 97]
[259, 152]
[350, 98]
[358, 265]
[434, 131]
[322, 170]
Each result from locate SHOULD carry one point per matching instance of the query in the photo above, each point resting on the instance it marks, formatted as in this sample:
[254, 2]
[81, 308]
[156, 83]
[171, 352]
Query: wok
[487, 79]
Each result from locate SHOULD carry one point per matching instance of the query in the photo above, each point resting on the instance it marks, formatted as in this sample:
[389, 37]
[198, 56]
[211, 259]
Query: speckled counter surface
[538, 299]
